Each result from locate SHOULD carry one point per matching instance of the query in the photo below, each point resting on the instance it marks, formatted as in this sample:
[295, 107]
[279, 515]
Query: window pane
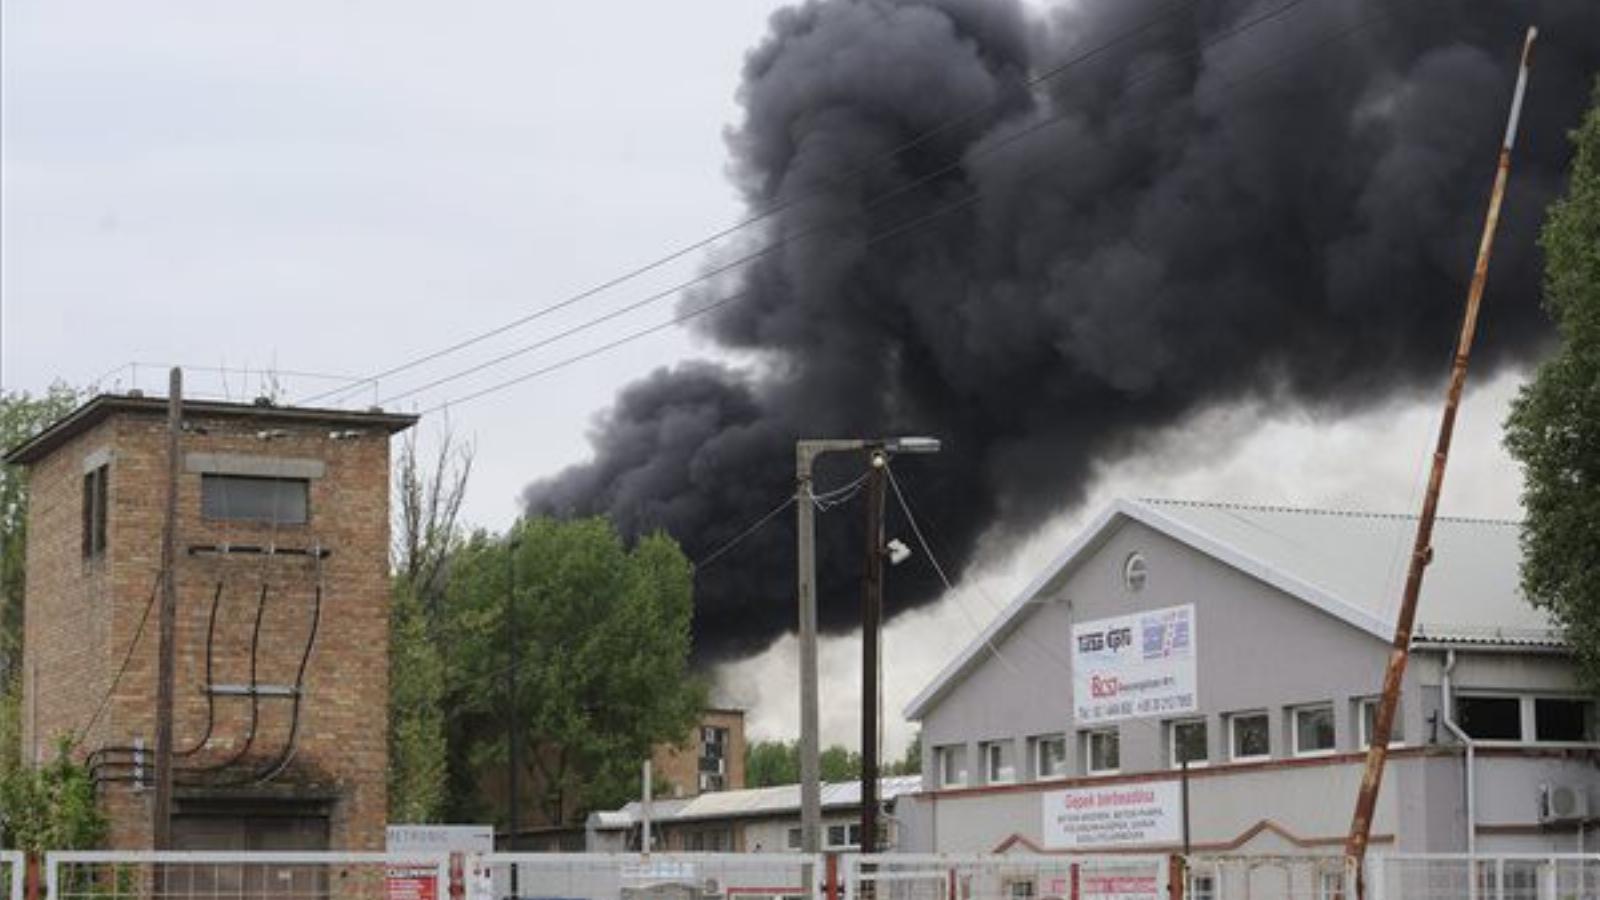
[1560, 720]
[1369, 718]
[1105, 751]
[1188, 742]
[1490, 718]
[1313, 729]
[1250, 736]
[1052, 757]
[283, 501]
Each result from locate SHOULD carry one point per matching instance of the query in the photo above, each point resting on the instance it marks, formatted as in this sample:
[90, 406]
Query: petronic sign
[1134, 666]
[1120, 815]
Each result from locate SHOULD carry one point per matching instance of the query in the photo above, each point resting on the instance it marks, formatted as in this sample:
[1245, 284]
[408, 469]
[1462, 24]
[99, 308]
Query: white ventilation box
[1563, 803]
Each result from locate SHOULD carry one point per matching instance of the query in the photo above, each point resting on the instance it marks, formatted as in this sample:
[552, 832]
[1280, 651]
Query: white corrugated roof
[767, 801]
[1351, 565]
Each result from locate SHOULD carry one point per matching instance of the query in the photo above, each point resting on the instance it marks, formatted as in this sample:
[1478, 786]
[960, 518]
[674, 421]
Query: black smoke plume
[1208, 211]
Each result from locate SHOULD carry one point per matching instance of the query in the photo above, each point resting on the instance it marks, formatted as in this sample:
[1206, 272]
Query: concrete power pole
[167, 623]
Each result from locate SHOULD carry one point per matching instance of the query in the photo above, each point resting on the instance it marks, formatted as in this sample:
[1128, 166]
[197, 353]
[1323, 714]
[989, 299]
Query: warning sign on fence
[1120, 887]
[412, 883]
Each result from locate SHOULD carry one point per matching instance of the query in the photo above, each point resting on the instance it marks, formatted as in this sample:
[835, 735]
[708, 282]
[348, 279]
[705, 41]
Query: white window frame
[1525, 723]
[1233, 728]
[942, 756]
[1294, 730]
[1363, 739]
[1172, 743]
[1009, 769]
[1039, 757]
[1088, 751]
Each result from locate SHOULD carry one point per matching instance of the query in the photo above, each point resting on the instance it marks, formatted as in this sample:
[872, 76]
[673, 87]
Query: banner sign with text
[1134, 666]
[1123, 815]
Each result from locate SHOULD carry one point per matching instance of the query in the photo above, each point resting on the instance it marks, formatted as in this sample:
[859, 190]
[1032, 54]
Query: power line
[127, 658]
[739, 538]
[768, 211]
[911, 224]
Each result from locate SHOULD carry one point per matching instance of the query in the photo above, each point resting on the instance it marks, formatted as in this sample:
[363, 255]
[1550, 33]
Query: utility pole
[167, 623]
[1355, 847]
[871, 620]
[513, 757]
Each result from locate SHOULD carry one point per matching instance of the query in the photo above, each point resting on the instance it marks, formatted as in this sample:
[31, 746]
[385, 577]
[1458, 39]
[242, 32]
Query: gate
[1507, 876]
[902, 876]
[208, 875]
[632, 876]
[1269, 877]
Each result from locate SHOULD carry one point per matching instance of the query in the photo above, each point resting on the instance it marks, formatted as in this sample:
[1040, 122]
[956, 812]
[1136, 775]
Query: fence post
[1076, 894]
[1175, 877]
[831, 868]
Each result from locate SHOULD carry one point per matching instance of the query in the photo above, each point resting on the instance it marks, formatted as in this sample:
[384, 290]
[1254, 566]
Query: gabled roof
[1350, 565]
[754, 802]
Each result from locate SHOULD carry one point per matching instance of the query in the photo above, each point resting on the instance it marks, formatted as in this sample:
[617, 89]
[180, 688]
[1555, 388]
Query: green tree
[428, 505]
[768, 763]
[840, 764]
[911, 762]
[1554, 427]
[21, 416]
[602, 674]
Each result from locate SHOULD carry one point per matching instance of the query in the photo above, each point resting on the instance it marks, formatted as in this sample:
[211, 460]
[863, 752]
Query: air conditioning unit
[1563, 803]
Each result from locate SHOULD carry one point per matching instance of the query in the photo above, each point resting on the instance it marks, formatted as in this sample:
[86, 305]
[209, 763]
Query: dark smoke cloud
[1258, 221]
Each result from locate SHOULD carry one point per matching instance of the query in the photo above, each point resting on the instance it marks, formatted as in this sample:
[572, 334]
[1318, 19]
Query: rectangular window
[1187, 741]
[95, 495]
[1313, 730]
[1020, 889]
[1330, 886]
[1559, 719]
[1202, 887]
[1050, 756]
[997, 767]
[844, 836]
[1248, 737]
[1369, 718]
[952, 762]
[794, 838]
[1490, 718]
[248, 498]
[1102, 751]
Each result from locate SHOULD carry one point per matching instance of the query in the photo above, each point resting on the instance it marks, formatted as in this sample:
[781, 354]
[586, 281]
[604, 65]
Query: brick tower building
[280, 647]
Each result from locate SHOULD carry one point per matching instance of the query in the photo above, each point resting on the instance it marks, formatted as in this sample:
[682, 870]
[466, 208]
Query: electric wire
[127, 658]
[211, 700]
[958, 163]
[768, 211]
[892, 232]
[755, 526]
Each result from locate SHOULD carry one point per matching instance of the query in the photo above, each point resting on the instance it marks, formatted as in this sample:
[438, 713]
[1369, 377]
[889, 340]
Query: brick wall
[679, 765]
[82, 617]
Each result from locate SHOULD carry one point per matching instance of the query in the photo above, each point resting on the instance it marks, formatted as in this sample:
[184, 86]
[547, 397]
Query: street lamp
[805, 455]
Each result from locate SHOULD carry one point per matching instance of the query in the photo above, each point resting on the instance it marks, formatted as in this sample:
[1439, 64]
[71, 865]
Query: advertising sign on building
[1134, 666]
[1122, 815]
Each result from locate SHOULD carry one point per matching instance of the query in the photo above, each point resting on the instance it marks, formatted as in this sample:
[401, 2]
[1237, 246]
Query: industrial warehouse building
[1251, 642]
[281, 659]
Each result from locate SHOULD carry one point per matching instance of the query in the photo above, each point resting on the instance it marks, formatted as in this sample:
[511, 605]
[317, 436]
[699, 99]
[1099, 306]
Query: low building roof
[1351, 565]
[779, 800]
[101, 406]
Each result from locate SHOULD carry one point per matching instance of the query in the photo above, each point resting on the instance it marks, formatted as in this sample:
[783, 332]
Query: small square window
[1313, 730]
[1187, 741]
[1490, 718]
[1051, 756]
[997, 767]
[1102, 751]
[1248, 737]
[1369, 718]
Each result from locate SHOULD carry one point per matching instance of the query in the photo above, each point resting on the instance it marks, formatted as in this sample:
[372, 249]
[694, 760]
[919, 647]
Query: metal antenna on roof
[1355, 847]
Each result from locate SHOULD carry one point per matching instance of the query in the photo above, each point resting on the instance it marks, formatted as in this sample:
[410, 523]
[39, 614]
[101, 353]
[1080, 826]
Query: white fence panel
[205, 875]
[1269, 877]
[12, 870]
[1508, 876]
[898, 876]
[657, 876]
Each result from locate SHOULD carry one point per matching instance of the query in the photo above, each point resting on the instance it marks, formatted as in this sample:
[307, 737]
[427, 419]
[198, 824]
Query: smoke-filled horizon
[1209, 212]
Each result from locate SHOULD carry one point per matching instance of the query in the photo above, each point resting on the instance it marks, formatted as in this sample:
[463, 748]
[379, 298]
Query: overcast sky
[336, 187]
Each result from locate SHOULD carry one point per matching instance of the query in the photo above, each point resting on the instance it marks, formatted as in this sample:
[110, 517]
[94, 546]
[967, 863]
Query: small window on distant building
[1313, 730]
[1369, 720]
[952, 763]
[1051, 756]
[997, 767]
[1248, 737]
[1102, 751]
[1020, 889]
[95, 495]
[1490, 718]
[1202, 887]
[248, 498]
[844, 836]
[1188, 742]
[1559, 719]
[794, 839]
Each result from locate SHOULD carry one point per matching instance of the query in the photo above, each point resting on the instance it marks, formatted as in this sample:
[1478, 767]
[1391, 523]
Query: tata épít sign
[1133, 666]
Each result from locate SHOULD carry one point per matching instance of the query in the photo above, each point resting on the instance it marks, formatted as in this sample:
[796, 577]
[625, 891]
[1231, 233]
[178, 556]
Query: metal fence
[12, 870]
[182, 875]
[899, 876]
[1269, 877]
[658, 876]
[1510, 876]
